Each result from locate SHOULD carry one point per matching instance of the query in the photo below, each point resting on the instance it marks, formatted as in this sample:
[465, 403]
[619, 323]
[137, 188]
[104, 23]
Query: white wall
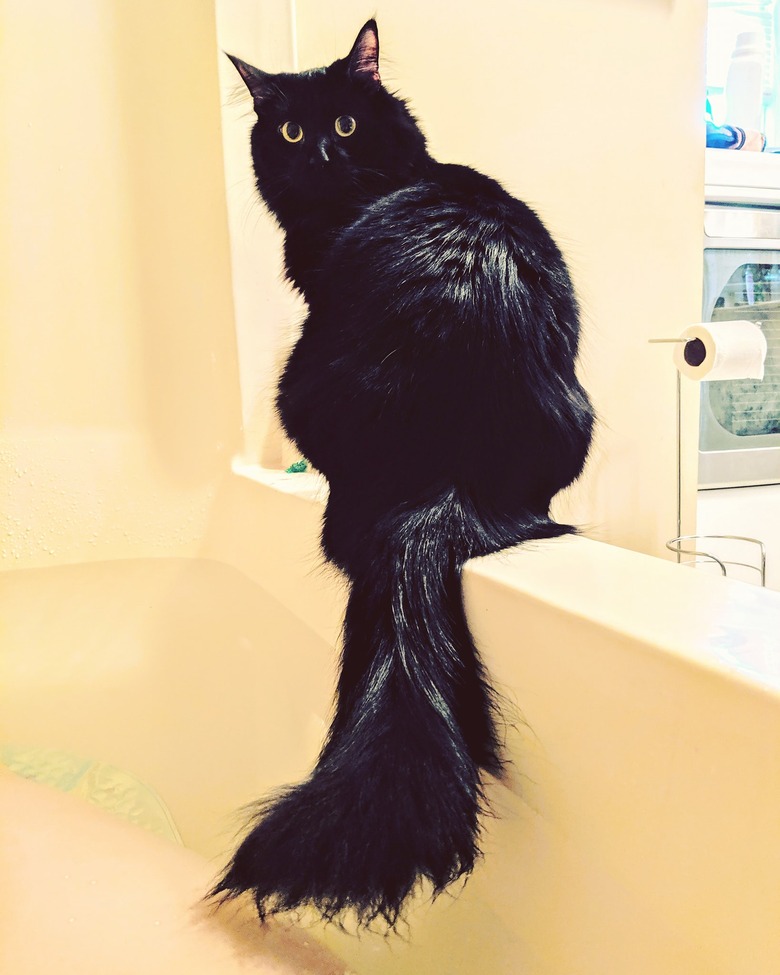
[118, 384]
[591, 112]
[267, 310]
[117, 316]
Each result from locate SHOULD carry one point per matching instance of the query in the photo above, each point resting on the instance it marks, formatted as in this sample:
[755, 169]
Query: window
[747, 407]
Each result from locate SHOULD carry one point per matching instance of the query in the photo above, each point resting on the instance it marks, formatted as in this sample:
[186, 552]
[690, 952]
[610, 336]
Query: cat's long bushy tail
[396, 795]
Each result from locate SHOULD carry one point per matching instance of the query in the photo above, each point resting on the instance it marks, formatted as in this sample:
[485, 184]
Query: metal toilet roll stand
[694, 356]
[675, 545]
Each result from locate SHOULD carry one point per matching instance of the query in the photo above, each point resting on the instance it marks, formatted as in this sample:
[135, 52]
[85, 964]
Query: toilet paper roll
[722, 350]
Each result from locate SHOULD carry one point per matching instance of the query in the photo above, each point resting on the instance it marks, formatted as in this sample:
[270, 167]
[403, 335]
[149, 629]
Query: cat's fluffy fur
[434, 386]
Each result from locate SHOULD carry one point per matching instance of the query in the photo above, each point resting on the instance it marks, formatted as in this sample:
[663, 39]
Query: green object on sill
[299, 467]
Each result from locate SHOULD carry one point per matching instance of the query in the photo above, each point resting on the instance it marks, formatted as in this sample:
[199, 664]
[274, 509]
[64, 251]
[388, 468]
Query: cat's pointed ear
[363, 60]
[257, 81]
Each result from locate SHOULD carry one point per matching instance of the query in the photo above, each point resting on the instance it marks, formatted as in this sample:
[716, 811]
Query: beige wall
[119, 392]
[118, 387]
[266, 308]
[590, 110]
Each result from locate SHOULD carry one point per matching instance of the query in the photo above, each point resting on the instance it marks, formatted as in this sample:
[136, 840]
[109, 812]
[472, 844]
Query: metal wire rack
[676, 545]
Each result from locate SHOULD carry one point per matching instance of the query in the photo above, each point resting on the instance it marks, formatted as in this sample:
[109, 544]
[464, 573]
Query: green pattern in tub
[111, 788]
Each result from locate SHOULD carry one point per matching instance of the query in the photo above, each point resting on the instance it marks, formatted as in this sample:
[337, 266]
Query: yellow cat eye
[291, 131]
[345, 125]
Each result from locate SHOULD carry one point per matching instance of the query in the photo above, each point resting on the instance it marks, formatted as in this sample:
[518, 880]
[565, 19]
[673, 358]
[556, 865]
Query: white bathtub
[638, 830]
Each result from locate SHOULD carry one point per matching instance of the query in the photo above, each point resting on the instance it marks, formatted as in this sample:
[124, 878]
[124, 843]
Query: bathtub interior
[183, 673]
[186, 676]
[86, 893]
[642, 802]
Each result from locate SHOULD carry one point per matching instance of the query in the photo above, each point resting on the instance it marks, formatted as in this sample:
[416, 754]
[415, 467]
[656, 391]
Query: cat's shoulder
[451, 186]
[467, 184]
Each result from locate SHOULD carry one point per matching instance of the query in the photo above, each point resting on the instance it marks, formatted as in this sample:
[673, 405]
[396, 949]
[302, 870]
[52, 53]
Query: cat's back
[445, 310]
[453, 235]
[450, 265]
[453, 198]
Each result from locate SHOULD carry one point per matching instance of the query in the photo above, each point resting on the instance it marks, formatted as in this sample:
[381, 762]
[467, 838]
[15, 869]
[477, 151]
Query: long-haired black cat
[434, 386]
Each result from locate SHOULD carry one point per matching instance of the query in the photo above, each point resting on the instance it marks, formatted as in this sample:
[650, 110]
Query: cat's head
[331, 137]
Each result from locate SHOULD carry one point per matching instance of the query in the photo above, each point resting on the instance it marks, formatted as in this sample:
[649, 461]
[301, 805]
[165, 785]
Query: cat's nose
[322, 150]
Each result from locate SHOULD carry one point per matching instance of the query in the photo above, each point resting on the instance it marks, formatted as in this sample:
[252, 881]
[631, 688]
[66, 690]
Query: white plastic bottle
[745, 82]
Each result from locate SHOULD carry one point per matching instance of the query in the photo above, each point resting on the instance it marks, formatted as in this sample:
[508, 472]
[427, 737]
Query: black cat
[434, 386]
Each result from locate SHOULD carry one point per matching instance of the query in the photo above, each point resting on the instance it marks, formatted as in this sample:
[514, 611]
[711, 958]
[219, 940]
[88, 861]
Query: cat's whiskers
[274, 188]
[371, 182]
[251, 211]
[236, 95]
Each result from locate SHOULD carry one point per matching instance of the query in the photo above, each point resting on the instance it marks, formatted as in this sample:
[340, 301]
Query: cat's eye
[345, 125]
[291, 131]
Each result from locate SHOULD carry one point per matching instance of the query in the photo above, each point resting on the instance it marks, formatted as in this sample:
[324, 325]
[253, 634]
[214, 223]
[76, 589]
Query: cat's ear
[257, 81]
[363, 60]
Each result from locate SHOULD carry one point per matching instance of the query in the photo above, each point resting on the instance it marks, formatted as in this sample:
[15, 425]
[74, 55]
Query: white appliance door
[740, 418]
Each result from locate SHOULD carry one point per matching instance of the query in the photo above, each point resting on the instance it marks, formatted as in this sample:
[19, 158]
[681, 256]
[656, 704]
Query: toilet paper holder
[709, 351]
[676, 544]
